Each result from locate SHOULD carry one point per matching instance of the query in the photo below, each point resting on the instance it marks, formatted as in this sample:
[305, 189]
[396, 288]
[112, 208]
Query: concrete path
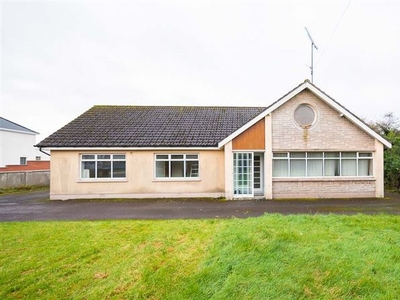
[36, 206]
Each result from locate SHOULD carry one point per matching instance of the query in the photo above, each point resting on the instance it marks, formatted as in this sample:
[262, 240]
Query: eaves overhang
[19, 131]
[129, 148]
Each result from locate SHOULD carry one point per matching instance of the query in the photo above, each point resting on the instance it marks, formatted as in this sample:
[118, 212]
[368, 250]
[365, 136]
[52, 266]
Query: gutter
[40, 149]
[133, 148]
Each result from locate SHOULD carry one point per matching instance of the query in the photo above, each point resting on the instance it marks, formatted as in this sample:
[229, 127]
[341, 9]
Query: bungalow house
[305, 145]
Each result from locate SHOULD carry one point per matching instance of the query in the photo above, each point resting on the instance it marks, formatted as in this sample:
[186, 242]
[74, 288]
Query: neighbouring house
[305, 145]
[17, 146]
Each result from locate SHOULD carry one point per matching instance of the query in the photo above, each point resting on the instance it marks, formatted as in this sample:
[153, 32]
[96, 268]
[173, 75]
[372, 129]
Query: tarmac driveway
[37, 206]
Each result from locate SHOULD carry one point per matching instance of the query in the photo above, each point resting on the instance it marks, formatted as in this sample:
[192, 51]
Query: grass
[23, 189]
[271, 257]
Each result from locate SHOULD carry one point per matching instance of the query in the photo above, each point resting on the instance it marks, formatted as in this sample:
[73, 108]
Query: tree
[389, 123]
[389, 128]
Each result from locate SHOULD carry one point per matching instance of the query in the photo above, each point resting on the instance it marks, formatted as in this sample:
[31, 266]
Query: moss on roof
[151, 126]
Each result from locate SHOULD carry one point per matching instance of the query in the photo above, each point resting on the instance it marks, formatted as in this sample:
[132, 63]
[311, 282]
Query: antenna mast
[312, 54]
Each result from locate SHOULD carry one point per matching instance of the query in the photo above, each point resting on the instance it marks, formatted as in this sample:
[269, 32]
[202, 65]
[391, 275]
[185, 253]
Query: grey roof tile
[9, 125]
[151, 126]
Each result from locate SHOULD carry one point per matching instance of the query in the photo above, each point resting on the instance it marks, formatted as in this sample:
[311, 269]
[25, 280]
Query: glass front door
[243, 174]
[258, 174]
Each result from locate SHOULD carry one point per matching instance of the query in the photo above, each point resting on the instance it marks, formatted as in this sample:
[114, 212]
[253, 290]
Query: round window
[304, 115]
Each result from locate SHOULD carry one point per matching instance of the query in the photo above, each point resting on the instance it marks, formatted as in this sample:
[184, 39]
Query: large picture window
[319, 164]
[176, 166]
[102, 166]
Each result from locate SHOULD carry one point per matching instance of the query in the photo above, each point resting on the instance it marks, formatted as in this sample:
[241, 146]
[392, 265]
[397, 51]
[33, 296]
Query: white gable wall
[14, 145]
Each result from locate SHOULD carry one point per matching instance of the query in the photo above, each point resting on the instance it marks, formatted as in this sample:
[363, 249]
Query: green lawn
[23, 189]
[271, 257]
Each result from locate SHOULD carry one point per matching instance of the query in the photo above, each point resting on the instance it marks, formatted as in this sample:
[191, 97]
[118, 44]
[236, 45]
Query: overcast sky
[61, 58]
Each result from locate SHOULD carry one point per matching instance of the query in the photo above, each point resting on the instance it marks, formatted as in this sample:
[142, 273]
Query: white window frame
[186, 157]
[286, 156]
[246, 171]
[23, 161]
[96, 159]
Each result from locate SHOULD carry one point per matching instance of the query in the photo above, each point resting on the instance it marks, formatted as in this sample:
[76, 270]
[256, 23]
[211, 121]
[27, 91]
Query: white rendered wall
[65, 182]
[14, 145]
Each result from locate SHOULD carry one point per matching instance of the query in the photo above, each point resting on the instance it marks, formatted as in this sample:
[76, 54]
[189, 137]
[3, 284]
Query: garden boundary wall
[24, 178]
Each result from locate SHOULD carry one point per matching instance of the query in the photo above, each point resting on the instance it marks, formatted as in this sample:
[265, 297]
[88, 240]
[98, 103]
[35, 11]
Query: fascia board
[128, 148]
[19, 131]
[348, 115]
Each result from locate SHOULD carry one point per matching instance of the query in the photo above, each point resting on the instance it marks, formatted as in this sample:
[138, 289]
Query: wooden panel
[251, 139]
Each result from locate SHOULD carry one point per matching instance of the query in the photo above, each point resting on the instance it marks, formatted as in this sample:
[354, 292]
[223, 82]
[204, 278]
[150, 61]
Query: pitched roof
[321, 95]
[176, 126]
[151, 126]
[11, 126]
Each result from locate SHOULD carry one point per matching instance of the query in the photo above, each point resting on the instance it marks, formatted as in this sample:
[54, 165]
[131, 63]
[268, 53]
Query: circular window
[304, 115]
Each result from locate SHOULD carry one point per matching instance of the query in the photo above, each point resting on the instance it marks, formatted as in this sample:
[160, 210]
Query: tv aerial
[312, 54]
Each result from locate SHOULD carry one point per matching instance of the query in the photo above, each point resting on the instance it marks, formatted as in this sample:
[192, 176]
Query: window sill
[102, 180]
[176, 179]
[332, 178]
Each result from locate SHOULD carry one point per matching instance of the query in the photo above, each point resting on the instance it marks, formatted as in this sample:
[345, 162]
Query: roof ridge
[178, 106]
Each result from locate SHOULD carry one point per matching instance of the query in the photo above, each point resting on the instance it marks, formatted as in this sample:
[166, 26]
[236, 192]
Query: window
[304, 115]
[318, 164]
[99, 166]
[177, 166]
[38, 158]
[22, 160]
